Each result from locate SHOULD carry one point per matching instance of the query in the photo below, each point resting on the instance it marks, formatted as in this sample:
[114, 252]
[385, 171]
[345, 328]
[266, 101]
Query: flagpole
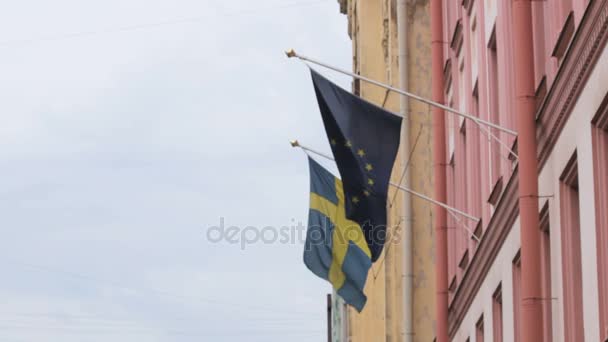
[291, 53]
[295, 143]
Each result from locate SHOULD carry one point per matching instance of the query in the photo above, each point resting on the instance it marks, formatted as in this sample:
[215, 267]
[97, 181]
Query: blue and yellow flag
[335, 247]
[364, 139]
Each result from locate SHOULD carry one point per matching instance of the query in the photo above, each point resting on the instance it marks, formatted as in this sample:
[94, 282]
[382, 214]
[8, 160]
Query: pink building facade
[484, 269]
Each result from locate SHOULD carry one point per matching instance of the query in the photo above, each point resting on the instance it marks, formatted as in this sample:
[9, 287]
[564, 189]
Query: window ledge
[541, 92]
[478, 232]
[468, 5]
[447, 74]
[464, 260]
[453, 284]
[496, 191]
[514, 147]
[456, 43]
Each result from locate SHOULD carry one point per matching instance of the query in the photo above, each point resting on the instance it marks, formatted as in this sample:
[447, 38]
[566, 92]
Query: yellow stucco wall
[368, 60]
[373, 29]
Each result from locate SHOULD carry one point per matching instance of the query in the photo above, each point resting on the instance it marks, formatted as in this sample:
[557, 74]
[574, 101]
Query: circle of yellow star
[348, 143]
[333, 141]
[366, 193]
[355, 199]
[370, 181]
[361, 152]
[369, 167]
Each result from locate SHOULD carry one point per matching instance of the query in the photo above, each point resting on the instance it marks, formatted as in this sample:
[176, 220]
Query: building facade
[372, 26]
[491, 69]
[486, 284]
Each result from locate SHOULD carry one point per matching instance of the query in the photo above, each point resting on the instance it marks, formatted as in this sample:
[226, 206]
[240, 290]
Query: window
[545, 247]
[557, 17]
[462, 236]
[565, 8]
[541, 92]
[462, 168]
[493, 93]
[579, 7]
[475, 178]
[571, 253]
[497, 314]
[564, 38]
[600, 172]
[496, 192]
[452, 231]
[452, 289]
[538, 33]
[461, 84]
[450, 124]
[453, 11]
[473, 160]
[479, 330]
[464, 261]
[473, 46]
[506, 57]
[517, 298]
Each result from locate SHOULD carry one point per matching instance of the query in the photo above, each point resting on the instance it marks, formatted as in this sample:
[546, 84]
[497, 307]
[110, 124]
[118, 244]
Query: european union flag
[335, 248]
[364, 139]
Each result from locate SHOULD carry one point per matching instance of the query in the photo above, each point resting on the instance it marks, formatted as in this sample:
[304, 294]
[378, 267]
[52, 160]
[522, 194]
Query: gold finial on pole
[294, 143]
[290, 53]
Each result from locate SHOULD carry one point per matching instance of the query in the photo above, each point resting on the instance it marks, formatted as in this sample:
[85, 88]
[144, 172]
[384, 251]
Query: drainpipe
[439, 172]
[407, 276]
[531, 304]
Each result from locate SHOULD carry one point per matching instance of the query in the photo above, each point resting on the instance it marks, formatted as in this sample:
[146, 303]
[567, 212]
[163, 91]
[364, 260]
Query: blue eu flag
[364, 139]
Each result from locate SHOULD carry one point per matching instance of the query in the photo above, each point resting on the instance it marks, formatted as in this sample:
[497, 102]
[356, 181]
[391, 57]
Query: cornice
[586, 47]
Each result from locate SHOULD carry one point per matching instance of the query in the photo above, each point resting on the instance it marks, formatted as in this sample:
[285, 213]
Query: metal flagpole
[295, 143]
[291, 53]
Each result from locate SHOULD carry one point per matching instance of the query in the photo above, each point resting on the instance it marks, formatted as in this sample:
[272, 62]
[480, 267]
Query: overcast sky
[128, 128]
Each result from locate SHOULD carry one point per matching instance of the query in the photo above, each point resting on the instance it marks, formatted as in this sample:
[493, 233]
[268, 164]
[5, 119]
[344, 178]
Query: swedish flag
[364, 140]
[335, 247]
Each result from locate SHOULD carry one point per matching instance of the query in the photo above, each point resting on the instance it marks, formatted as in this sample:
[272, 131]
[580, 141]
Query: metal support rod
[295, 143]
[464, 225]
[492, 136]
[291, 53]
[428, 199]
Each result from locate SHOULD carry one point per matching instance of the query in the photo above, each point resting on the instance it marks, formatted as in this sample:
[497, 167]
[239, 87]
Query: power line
[105, 327]
[143, 26]
[24, 321]
[63, 316]
[223, 304]
[146, 331]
